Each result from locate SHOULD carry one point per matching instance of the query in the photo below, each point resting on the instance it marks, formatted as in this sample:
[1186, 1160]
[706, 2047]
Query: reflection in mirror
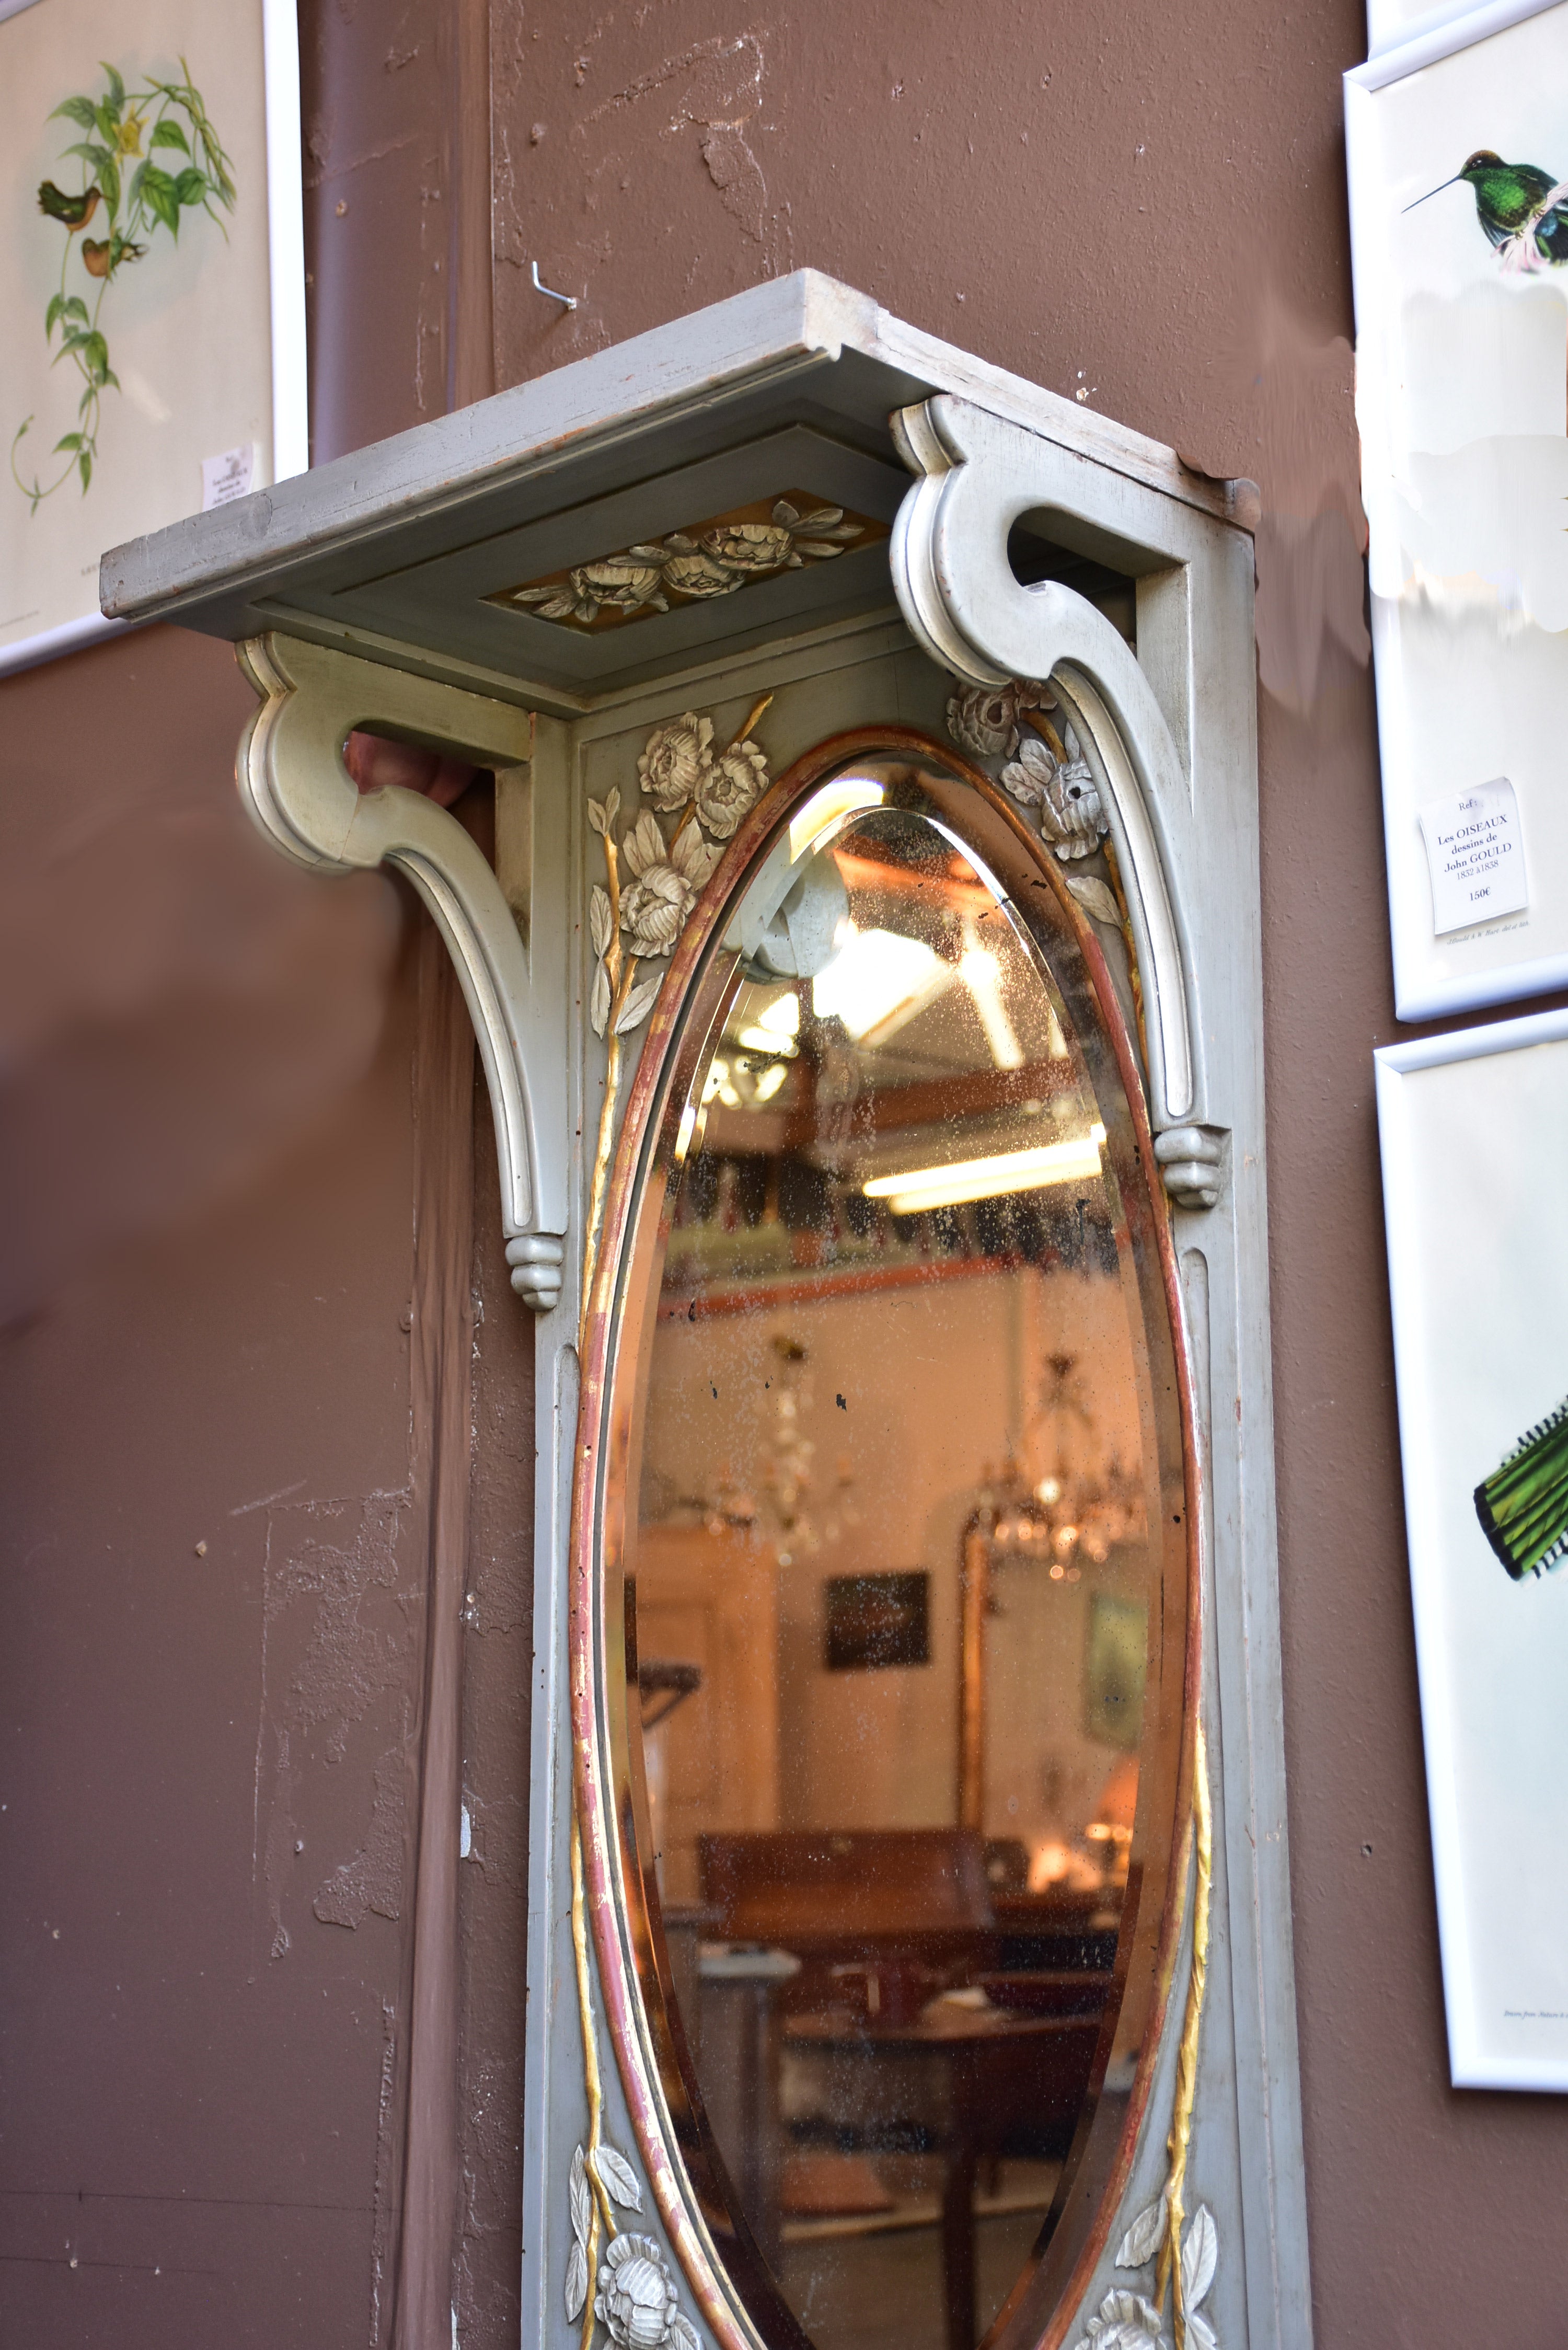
[899, 1418]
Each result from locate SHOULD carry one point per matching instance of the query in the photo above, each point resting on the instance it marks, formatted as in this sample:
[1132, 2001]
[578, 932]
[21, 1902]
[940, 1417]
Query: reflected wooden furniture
[852, 1897]
[998, 2071]
[712, 1599]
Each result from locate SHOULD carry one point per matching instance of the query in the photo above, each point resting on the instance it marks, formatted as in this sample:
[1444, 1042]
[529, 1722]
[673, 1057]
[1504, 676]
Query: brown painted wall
[234, 1102]
[236, 1093]
[1145, 203]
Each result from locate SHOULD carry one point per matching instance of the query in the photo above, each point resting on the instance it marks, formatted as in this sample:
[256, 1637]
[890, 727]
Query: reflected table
[998, 2073]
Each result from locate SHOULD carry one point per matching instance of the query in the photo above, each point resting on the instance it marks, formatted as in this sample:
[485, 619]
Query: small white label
[228, 477]
[1475, 855]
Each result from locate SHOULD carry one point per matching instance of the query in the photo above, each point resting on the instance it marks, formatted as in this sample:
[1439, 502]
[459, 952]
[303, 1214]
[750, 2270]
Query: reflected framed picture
[876, 1620]
[1115, 1661]
[1474, 1131]
[152, 283]
[1456, 145]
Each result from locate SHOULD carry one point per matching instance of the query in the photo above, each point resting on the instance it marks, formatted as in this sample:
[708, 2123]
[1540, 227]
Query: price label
[1475, 853]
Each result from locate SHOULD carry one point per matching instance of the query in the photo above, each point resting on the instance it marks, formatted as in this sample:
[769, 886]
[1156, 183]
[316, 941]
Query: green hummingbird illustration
[1523, 209]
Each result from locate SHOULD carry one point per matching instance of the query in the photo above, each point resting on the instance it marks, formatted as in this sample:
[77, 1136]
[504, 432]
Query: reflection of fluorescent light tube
[984, 1179]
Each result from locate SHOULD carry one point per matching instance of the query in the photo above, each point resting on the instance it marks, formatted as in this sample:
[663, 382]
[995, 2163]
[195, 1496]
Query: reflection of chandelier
[1071, 1512]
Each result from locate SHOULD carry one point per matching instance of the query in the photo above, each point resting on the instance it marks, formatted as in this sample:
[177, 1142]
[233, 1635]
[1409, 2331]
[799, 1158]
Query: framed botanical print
[151, 278]
[1456, 140]
[1474, 1131]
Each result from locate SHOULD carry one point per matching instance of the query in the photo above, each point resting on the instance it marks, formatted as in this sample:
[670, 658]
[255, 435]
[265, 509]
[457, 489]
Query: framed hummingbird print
[1458, 150]
[152, 281]
[1474, 1133]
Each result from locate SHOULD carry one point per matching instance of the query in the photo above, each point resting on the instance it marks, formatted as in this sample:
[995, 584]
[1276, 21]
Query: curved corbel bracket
[978, 474]
[293, 784]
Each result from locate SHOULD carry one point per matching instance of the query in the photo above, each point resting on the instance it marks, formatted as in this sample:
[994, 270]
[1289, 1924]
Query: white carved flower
[1125, 2321]
[623, 581]
[636, 2299]
[675, 758]
[750, 546]
[729, 787]
[655, 905]
[689, 572]
[1062, 791]
[983, 718]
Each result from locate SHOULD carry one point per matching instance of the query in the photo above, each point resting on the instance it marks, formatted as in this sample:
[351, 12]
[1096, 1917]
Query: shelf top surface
[528, 539]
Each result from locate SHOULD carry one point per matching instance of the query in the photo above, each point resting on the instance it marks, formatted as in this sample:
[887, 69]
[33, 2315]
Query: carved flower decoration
[983, 718]
[1062, 792]
[714, 562]
[653, 880]
[1125, 2321]
[689, 572]
[750, 546]
[655, 905]
[675, 759]
[729, 787]
[636, 2299]
[625, 581]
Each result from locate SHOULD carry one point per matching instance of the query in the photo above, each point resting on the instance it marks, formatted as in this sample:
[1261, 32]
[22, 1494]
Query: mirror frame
[296, 577]
[616, 1914]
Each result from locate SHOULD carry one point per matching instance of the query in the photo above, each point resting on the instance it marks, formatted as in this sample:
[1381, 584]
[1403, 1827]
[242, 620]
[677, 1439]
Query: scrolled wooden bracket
[293, 784]
[977, 475]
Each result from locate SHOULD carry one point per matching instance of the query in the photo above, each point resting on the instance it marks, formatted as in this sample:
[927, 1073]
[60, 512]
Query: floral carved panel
[716, 556]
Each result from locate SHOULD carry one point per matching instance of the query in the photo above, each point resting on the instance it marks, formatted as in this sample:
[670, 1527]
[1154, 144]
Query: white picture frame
[1474, 1129]
[1462, 402]
[210, 350]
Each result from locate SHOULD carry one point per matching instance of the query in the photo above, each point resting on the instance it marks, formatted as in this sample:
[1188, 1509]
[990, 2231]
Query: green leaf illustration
[108, 179]
[159, 195]
[169, 134]
[190, 186]
[79, 109]
[116, 87]
[67, 440]
[84, 462]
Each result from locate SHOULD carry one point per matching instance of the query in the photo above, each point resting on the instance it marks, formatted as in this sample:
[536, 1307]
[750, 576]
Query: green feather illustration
[1523, 1504]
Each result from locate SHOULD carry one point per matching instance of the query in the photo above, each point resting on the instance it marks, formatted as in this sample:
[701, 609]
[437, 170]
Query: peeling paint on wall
[340, 1617]
[373, 1879]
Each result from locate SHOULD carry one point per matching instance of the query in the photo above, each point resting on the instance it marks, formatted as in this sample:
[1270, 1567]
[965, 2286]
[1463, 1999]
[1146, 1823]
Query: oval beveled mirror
[896, 1522]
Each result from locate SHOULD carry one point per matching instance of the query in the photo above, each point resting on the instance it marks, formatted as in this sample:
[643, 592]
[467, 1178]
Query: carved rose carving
[1062, 792]
[696, 574]
[750, 546]
[654, 881]
[724, 556]
[621, 581]
[636, 2300]
[729, 787]
[983, 718]
[674, 760]
[1125, 2321]
[654, 907]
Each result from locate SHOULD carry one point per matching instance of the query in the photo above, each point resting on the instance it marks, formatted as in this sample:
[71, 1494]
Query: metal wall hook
[569, 299]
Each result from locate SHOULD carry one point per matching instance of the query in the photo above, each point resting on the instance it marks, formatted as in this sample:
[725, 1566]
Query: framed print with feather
[1457, 143]
[1474, 1131]
[152, 281]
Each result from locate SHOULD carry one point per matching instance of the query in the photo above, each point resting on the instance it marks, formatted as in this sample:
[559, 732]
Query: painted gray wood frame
[386, 556]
